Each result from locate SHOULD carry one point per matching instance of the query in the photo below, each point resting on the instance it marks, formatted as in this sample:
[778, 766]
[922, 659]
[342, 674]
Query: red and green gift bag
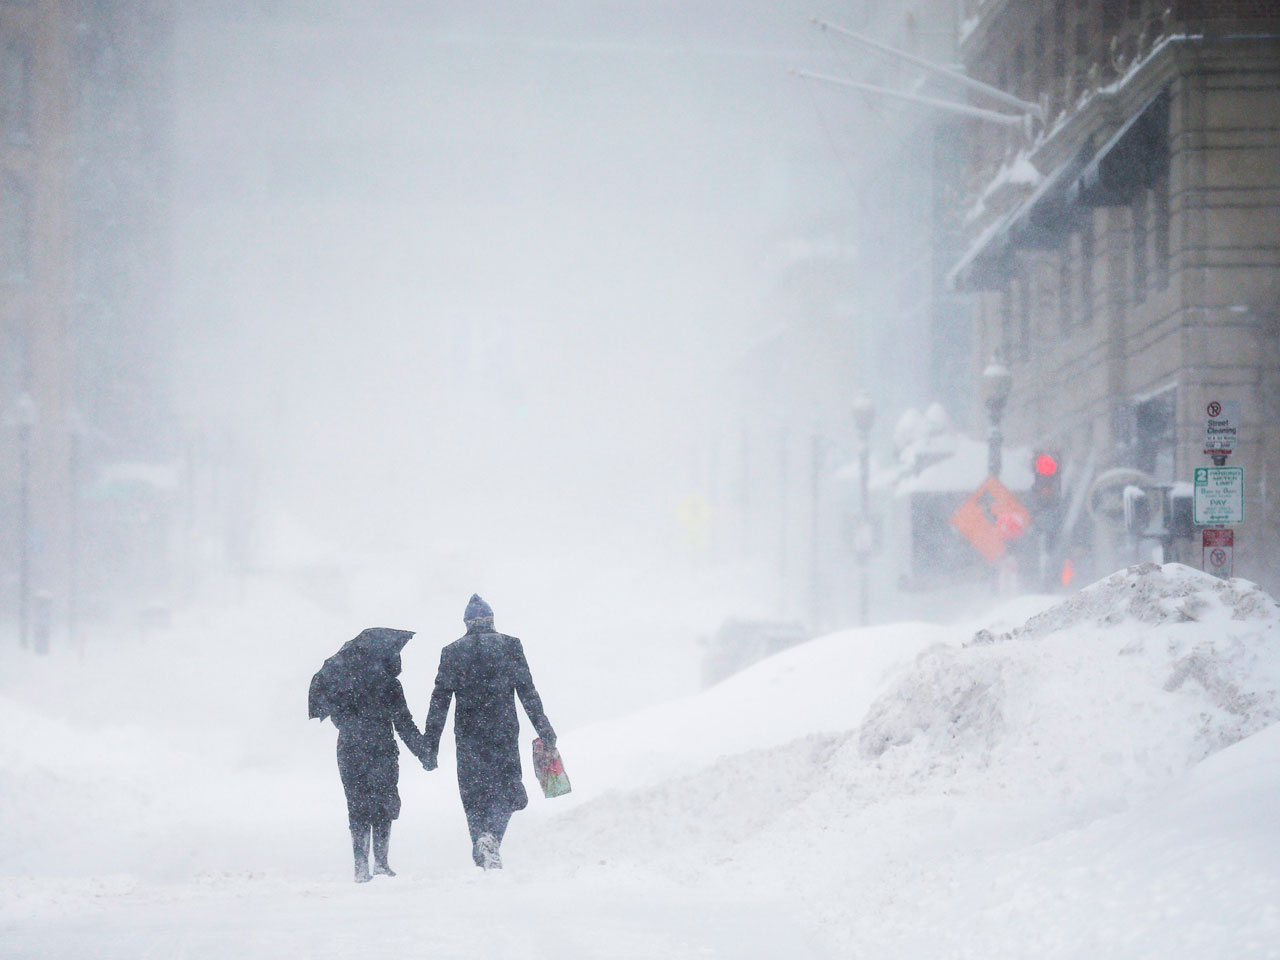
[549, 769]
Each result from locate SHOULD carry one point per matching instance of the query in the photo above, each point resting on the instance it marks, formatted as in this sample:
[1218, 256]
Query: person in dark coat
[358, 689]
[483, 670]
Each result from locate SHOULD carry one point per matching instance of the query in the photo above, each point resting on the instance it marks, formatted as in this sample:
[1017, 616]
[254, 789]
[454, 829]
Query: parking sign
[1218, 546]
[1219, 495]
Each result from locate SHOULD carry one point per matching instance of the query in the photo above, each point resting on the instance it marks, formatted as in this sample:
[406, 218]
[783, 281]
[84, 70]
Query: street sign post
[1218, 546]
[990, 517]
[1221, 427]
[1219, 495]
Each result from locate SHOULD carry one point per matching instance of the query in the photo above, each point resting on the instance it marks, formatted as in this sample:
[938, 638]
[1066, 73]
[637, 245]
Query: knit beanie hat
[477, 609]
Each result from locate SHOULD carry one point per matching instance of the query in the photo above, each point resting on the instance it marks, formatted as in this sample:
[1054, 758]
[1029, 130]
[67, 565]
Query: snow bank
[1153, 594]
[1006, 761]
[823, 685]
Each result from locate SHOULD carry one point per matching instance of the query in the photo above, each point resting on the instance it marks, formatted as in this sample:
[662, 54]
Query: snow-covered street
[1097, 780]
[454, 914]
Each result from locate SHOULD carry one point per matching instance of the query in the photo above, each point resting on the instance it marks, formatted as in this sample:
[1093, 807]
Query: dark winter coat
[358, 688]
[484, 670]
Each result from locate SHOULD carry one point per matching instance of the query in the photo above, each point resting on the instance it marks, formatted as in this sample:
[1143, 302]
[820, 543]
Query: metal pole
[815, 559]
[995, 441]
[24, 534]
[994, 92]
[73, 546]
[783, 485]
[1005, 119]
[864, 467]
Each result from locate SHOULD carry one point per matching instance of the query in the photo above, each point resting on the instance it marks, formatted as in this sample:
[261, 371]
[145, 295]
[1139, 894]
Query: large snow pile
[1098, 670]
[941, 823]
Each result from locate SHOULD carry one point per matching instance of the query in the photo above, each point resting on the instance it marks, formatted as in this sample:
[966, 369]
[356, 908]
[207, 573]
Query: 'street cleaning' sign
[1221, 427]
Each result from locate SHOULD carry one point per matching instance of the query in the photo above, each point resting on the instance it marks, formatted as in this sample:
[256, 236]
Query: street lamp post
[25, 419]
[864, 415]
[76, 431]
[997, 382]
[815, 530]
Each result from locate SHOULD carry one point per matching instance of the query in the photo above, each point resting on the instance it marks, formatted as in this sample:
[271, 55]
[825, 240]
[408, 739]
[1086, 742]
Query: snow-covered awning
[1036, 223]
[1133, 157]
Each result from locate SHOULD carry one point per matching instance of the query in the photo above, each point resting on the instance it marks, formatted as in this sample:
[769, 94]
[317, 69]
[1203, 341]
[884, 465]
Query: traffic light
[1046, 491]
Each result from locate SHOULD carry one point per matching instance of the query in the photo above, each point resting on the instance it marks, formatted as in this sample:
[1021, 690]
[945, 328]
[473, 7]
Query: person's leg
[494, 825]
[499, 817]
[474, 804]
[381, 842]
[475, 826]
[360, 849]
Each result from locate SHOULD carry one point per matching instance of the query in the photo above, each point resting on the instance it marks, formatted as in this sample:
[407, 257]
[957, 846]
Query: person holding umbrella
[359, 689]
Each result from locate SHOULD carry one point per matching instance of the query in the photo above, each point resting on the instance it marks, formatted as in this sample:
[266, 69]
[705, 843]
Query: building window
[1155, 434]
[15, 231]
[1006, 320]
[1082, 43]
[1064, 291]
[1024, 317]
[1039, 57]
[1086, 271]
[1112, 14]
[15, 92]
[1138, 237]
[1059, 42]
[1160, 228]
[15, 358]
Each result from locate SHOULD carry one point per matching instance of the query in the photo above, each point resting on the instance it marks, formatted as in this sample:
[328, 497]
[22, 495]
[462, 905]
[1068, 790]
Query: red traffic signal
[1046, 465]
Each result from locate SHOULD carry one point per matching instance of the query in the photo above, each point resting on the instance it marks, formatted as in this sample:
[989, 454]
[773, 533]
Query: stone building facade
[1125, 250]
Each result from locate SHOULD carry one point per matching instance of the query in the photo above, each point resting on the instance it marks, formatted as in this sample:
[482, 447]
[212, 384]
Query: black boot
[381, 841]
[360, 850]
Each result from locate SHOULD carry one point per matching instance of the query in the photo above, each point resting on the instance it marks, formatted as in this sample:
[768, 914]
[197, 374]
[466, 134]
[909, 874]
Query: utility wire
[841, 161]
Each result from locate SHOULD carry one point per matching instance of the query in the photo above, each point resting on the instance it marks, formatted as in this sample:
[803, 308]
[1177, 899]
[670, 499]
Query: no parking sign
[1218, 546]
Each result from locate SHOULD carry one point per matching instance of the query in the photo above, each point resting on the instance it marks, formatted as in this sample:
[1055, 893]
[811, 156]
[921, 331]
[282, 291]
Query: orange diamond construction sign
[991, 516]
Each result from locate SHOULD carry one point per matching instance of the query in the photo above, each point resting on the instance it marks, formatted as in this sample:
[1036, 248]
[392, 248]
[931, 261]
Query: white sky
[415, 245]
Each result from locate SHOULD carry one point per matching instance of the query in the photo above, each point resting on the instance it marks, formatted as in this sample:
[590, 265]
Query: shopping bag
[549, 769]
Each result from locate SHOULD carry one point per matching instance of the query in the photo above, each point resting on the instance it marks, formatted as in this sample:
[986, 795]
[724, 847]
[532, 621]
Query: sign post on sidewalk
[1219, 495]
[1221, 429]
[1219, 489]
[1218, 546]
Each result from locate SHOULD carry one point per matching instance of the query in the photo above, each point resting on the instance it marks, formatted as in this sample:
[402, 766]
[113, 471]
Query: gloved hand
[429, 763]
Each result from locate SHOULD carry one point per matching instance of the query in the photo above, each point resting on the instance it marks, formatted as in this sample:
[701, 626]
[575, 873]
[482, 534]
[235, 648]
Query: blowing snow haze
[834, 444]
[472, 269]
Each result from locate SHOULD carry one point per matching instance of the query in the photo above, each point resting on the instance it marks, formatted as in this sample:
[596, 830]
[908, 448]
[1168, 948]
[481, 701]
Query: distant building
[1125, 249]
[84, 131]
[861, 306]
